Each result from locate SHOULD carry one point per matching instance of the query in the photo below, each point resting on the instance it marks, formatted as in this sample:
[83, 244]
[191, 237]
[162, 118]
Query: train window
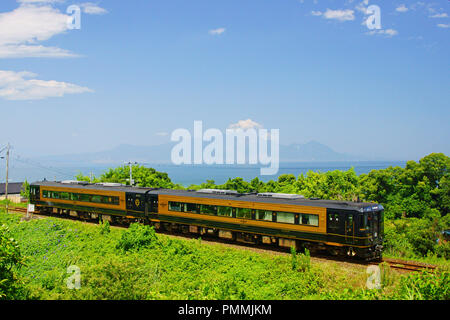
[174, 206]
[115, 200]
[74, 196]
[190, 207]
[286, 217]
[333, 221]
[45, 194]
[264, 215]
[84, 197]
[55, 195]
[224, 211]
[304, 219]
[208, 209]
[333, 217]
[244, 213]
[105, 199]
[96, 199]
[64, 195]
[309, 219]
[363, 225]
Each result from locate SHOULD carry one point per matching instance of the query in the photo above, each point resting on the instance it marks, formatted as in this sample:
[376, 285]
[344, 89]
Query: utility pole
[7, 169]
[131, 174]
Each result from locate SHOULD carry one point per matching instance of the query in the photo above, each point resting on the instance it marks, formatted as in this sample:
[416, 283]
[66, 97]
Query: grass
[136, 263]
[13, 204]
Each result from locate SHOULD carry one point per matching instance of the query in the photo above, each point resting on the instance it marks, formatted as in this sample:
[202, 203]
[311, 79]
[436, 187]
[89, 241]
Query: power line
[38, 165]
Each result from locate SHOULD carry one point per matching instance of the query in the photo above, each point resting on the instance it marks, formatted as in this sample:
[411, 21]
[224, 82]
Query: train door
[349, 228]
[151, 203]
[376, 224]
[34, 193]
[335, 225]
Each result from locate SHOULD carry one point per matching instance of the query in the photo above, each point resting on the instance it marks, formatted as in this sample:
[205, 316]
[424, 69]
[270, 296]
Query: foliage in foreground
[10, 259]
[158, 267]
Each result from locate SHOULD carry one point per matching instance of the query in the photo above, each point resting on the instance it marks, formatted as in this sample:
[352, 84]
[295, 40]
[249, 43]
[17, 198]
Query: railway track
[15, 209]
[401, 265]
[408, 265]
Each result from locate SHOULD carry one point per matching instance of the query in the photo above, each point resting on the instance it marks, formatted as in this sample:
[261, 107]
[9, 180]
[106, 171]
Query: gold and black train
[340, 227]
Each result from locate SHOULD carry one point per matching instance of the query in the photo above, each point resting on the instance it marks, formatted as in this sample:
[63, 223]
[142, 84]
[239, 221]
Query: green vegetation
[10, 261]
[136, 263]
[145, 177]
[25, 192]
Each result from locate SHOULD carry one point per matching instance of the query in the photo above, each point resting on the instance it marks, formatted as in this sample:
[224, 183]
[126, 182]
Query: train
[342, 228]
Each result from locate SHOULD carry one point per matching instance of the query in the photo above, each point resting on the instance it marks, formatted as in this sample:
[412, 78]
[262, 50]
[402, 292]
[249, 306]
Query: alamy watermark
[74, 20]
[74, 281]
[374, 19]
[374, 279]
[233, 151]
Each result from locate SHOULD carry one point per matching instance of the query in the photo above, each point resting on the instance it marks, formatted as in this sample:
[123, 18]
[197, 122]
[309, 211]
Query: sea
[192, 174]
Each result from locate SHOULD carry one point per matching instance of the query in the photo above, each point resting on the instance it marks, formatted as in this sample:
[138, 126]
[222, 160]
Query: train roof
[252, 197]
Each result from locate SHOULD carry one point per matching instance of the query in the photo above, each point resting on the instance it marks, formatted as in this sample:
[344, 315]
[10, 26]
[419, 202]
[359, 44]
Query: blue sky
[137, 70]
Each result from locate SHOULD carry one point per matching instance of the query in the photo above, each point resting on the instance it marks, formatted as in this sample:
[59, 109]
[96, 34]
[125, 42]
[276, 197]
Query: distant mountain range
[311, 151]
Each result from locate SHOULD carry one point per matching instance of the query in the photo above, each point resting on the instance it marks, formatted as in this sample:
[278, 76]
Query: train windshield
[376, 223]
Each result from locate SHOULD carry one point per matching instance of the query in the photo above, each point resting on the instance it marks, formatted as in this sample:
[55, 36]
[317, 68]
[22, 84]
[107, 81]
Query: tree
[436, 166]
[143, 177]
[25, 191]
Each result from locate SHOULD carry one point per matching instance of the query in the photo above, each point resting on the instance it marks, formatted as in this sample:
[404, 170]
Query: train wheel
[333, 251]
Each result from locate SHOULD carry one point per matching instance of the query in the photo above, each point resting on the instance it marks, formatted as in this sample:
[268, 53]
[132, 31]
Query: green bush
[137, 236]
[304, 261]
[10, 258]
[104, 226]
[425, 286]
[443, 250]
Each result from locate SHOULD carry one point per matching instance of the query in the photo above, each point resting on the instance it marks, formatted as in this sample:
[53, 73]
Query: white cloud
[340, 15]
[22, 86]
[25, 51]
[386, 32]
[245, 124]
[92, 8]
[22, 28]
[316, 13]
[439, 15]
[402, 8]
[217, 31]
[443, 25]
[31, 24]
[362, 6]
[35, 21]
[389, 32]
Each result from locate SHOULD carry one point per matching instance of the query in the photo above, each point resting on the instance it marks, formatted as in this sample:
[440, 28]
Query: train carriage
[341, 227]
